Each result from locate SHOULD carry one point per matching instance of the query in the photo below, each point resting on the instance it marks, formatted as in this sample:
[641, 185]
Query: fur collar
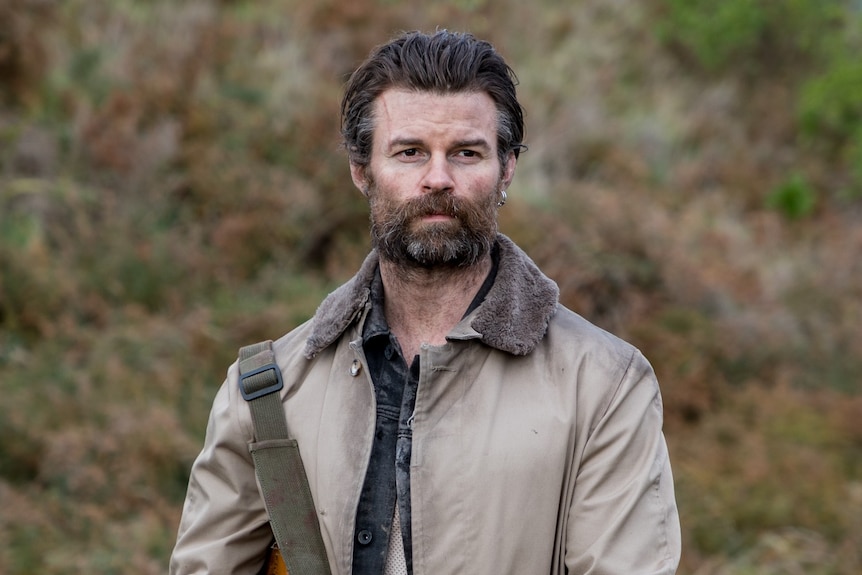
[513, 317]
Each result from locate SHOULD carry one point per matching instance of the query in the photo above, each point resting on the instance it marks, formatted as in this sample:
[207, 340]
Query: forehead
[408, 114]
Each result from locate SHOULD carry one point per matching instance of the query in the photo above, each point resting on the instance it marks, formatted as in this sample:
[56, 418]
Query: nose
[438, 174]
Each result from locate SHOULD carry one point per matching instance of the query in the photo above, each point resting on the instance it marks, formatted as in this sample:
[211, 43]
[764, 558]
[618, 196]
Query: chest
[493, 444]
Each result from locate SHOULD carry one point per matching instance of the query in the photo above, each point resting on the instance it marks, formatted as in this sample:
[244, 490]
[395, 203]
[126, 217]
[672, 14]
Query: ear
[509, 170]
[357, 173]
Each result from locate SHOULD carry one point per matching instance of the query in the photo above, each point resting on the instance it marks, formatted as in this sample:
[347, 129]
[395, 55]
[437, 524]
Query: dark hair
[445, 63]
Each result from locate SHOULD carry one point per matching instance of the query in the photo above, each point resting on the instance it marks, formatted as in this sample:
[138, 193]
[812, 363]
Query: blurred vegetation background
[171, 187]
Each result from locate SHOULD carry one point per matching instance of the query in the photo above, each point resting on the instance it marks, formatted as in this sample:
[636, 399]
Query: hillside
[171, 187]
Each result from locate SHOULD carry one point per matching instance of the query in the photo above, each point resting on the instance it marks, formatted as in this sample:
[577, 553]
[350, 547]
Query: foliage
[806, 43]
[721, 35]
[171, 188]
[830, 111]
[831, 102]
[716, 32]
[794, 198]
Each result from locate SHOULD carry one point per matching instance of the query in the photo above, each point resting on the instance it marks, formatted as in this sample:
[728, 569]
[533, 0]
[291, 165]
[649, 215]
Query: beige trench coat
[546, 458]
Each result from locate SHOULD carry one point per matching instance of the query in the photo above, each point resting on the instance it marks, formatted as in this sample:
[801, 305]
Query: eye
[409, 154]
[468, 155]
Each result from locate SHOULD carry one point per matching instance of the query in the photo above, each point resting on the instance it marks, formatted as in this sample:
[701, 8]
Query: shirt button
[364, 537]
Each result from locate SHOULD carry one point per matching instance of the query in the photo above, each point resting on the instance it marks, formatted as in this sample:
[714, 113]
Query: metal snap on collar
[355, 368]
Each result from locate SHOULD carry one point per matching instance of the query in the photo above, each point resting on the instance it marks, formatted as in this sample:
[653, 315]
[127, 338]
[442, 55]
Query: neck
[423, 305]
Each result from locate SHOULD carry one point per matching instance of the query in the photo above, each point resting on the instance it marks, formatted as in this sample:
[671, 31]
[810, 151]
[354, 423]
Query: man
[452, 416]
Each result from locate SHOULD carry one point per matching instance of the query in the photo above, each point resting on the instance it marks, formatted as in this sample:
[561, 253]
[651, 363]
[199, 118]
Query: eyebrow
[401, 142]
[471, 143]
[474, 143]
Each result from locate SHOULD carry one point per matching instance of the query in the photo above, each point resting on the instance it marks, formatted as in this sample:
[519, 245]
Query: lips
[437, 217]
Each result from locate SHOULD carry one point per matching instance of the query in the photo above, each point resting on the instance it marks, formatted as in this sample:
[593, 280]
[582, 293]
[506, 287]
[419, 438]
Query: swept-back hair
[443, 63]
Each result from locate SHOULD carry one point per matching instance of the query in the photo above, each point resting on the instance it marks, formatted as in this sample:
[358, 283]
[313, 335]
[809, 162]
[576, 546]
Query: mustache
[435, 203]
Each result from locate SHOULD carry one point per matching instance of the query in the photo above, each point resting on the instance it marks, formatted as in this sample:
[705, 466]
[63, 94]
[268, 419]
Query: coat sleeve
[224, 527]
[623, 519]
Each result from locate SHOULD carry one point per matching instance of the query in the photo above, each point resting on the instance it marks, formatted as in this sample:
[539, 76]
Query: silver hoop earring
[503, 198]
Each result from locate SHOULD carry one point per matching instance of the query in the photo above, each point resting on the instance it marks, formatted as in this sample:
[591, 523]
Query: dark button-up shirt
[388, 476]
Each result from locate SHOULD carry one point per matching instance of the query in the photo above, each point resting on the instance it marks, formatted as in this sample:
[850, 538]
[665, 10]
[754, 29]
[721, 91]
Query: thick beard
[400, 237]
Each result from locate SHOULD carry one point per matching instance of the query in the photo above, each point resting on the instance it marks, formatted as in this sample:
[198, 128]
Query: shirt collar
[375, 322]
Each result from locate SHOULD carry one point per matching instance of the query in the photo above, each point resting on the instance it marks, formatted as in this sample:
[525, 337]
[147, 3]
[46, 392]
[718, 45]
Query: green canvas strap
[278, 465]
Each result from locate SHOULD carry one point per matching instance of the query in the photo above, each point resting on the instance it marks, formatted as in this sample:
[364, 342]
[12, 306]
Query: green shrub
[715, 32]
[854, 156]
[830, 117]
[723, 34]
[794, 198]
[830, 104]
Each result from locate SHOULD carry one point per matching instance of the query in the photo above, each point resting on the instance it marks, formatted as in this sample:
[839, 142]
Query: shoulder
[290, 346]
[570, 332]
[602, 366]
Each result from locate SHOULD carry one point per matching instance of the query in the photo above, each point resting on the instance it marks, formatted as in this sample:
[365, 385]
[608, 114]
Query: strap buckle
[270, 383]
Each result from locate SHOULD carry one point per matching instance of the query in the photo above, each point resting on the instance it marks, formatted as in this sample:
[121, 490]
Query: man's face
[434, 177]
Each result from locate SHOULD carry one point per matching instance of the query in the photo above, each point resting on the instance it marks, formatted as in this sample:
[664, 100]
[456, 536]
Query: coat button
[364, 537]
[355, 368]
